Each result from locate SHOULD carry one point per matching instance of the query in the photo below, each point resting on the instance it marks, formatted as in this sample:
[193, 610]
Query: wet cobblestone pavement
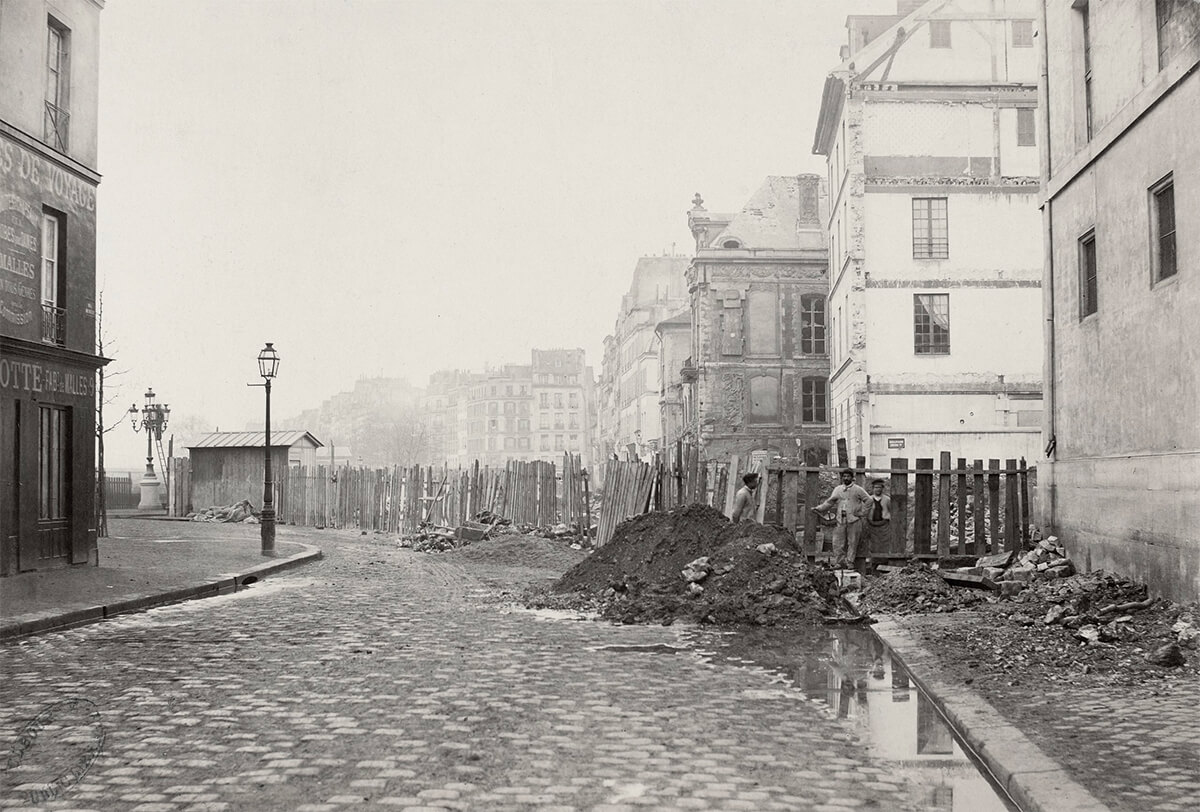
[387, 678]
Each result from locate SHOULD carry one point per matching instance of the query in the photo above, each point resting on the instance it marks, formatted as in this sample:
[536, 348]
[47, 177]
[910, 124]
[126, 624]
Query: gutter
[1049, 391]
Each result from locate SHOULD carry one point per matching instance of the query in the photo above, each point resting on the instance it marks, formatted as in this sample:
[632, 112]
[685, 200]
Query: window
[508, 390]
[812, 325]
[544, 420]
[931, 232]
[491, 444]
[53, 463]
[1085, 13]
[573, 420]
[558, 442]
[573, 400]
[931, 323]
[523, 443]
[939, 33]
[510, 407]
[545, 442]
[522, 425]
[58, 83]
[493, 425]
[573, 441]
[1022, 33]
[558, 400]
[558, 420]
[762, 322]
[1026, 129]
[1088, 287]
[1178, 22]
[1162, 213]
[544, 400]
[53, 321]
[814, 394]
[493, 391]
[493, 407]
[510, 443]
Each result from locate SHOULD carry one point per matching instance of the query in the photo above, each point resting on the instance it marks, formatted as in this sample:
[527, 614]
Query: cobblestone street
[385, 677]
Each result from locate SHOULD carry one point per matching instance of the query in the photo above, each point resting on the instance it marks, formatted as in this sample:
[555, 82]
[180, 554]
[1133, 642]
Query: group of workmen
[862, 517]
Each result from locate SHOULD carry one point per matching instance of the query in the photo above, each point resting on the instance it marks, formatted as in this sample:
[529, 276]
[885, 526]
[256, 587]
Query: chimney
[906, 7]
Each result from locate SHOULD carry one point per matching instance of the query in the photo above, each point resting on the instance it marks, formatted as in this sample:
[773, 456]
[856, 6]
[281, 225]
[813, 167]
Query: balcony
[688, 373]
[54, 325]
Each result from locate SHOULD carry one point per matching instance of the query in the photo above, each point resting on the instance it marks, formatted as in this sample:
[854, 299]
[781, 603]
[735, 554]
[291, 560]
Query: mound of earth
[520, 551]
[753, 574]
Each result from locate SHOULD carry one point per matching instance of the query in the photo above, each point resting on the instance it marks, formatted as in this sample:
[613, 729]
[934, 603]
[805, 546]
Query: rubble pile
[913, 589]
[431, 538]
[241, 511]
[693, 564]
[434, 538]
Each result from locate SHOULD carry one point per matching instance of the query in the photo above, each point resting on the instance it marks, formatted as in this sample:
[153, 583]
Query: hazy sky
[389, 188]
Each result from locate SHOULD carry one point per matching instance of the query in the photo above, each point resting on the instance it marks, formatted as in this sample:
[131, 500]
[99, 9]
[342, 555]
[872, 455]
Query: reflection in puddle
[851, 672]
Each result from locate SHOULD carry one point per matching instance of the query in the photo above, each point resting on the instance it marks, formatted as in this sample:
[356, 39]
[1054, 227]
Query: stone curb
[59, 619]
[1034, 781]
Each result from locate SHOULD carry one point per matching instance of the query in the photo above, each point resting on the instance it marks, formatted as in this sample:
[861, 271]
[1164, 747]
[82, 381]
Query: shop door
[54, 483]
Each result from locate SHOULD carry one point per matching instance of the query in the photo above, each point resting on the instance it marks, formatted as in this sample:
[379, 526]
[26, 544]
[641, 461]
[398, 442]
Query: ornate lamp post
[268, 367]
[153, 418]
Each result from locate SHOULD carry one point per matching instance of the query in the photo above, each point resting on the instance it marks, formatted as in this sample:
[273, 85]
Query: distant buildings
[48, 106]
[533, 411]
[630, 387]
[759, 344]
[928, 128]
[1121, 482]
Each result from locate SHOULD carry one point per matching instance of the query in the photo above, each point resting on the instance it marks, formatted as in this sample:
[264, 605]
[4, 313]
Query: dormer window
[731, 244]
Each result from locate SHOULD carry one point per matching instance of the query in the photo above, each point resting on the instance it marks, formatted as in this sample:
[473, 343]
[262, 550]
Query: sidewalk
[138, 573]
[1055, 746]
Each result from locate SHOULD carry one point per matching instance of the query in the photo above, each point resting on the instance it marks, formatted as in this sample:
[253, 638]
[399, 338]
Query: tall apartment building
[534, 411]
[1122, 227]
[928, 128]
[759, 345]
[630, 383]
[48, 106]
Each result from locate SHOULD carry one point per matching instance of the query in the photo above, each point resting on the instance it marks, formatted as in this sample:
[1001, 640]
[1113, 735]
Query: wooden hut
[228, 466]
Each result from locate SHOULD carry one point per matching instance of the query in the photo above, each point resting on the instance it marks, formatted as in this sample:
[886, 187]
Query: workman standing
[744, 506]
[852, 505]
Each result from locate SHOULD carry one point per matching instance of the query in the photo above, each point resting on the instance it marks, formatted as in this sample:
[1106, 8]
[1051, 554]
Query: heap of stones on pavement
[692, 563]
[241, 511]
[915, 588]
[434, 538]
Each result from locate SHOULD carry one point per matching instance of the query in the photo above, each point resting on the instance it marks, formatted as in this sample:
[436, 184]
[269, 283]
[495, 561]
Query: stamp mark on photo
[68, 731]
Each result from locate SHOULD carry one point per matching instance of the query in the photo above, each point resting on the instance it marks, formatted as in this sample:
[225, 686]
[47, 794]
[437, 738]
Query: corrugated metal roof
[253, 439]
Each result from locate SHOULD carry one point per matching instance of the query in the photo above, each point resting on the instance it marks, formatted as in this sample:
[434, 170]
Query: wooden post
[923, 518]
[1024, 504]
[731, 485]
[843, 453]
[812, 498]
[899, 506]
[961, 503]
[994, 504]
[943, 524]
[860, 472]
[1012, 510]
[790, 493]
[980, 510]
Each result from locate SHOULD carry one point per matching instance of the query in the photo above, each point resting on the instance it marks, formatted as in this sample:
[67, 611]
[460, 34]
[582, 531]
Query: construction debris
[241, 511]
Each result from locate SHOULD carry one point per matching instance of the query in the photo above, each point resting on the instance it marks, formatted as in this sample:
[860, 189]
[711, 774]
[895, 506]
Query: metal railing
[57, 126]
[54, 324]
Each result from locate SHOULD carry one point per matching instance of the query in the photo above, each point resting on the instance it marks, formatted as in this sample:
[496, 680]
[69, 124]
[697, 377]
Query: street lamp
[153, 419]
[268, 368]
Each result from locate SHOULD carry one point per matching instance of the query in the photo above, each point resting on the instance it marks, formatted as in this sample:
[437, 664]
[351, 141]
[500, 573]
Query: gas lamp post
[268, 368]
[152, 418]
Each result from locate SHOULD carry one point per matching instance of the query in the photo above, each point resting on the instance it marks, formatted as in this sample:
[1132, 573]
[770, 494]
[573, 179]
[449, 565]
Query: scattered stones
[697, 570]
[1186, 633]
[1168, 656]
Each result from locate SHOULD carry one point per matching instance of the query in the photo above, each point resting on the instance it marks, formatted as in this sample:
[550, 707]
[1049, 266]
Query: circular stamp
[55, 749]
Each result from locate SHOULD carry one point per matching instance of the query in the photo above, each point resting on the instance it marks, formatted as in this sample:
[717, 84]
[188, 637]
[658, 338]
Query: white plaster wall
[993, 235]
[981, 48]
[993, 331]
[980, 412]
[1012, 445]
[1016, 161]
[927, 128]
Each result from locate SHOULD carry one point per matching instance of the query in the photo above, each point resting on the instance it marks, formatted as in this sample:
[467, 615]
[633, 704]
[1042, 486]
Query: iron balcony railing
[54, 325]
[57, 125]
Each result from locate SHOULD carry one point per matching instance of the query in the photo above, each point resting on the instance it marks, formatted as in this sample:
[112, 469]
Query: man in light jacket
[852, 504]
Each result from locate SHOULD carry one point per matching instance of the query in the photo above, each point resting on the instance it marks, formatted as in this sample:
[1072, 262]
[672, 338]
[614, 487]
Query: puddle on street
[849, 671]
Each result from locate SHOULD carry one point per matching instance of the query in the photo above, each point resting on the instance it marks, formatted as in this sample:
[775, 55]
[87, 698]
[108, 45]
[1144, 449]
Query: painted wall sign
[895, 442]
[27, 376]
[18, 163]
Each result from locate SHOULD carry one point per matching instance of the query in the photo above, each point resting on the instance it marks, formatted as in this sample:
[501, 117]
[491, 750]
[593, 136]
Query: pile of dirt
[693, 564]
[915, 589]
[521, 551]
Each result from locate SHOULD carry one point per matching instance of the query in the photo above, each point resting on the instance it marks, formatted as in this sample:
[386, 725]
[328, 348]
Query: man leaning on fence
[852, 505]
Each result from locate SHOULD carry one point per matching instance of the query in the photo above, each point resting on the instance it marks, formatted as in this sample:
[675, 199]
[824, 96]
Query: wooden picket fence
[398, 499]
[957, 508]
